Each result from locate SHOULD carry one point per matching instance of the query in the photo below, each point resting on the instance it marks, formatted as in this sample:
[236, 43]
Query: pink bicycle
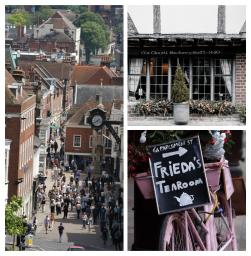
[206, 228]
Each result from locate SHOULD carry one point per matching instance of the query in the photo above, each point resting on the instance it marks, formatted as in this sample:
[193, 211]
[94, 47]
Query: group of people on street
[93, 200]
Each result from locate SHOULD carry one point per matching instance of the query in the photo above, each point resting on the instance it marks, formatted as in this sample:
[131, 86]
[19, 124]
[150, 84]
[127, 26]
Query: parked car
[76, 248]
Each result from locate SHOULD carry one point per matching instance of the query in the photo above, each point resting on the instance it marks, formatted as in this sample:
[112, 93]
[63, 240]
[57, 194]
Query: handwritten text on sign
[178, 175]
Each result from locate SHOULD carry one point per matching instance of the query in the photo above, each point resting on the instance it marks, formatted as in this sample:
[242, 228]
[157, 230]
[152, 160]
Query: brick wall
[12, 132]
[49, 46]
[240, 79]
[85, 135]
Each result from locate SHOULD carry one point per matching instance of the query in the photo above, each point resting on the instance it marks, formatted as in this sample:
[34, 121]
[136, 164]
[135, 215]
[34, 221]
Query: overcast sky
[187, 19]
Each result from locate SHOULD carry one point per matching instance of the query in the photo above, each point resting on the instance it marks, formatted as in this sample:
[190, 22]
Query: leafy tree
[78, 9]
[94, 38]
[19, 18]
[43, 13]
[180, 92]
[13, 223]
[94, 17]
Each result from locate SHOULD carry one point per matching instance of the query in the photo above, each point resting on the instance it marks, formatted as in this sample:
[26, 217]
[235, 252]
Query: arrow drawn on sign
[181, 151]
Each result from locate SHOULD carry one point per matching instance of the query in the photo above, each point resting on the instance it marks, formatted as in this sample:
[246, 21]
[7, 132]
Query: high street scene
[64, 128]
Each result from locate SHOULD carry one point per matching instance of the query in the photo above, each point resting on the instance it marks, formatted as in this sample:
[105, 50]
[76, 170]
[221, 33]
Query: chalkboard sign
[178, 175]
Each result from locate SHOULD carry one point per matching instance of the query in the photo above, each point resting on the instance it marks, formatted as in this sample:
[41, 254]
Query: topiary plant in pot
[180, 98]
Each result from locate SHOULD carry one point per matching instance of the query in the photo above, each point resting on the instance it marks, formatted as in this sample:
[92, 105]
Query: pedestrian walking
[43, 203]
[55, 146]
[78, 208]
[60, 231]
[58, 206]
[89, 223]
[105, 235]
[46, 223]
[34, 224]
[65, 211]
[84, 219]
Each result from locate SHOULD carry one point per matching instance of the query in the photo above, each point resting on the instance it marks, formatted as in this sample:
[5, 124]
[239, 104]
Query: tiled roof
[59, 21]
[243, 28]
[132, 30]
[58, 36]
[9, 79]
[91, 75]
[77, 118]
[10, 98]
[58, 70]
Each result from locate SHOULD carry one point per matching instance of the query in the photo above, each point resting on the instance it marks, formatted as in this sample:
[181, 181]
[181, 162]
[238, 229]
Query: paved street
[74, 234]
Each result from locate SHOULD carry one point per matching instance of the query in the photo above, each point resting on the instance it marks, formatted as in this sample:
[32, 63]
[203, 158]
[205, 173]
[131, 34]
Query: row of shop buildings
[214, 64]
[44, 98]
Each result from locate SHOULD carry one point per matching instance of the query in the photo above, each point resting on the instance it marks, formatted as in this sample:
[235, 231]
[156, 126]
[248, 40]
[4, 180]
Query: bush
[201, 107]
[153, 107]
[205, 107]
[180, 92]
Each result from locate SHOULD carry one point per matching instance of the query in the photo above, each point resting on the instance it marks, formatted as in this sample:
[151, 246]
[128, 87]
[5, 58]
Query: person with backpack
[60, 231]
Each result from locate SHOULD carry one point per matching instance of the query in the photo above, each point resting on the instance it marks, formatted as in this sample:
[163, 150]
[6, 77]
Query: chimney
[156, 19]
[221, 29]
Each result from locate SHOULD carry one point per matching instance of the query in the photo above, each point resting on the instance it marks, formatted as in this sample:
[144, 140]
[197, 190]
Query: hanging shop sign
[178, 175]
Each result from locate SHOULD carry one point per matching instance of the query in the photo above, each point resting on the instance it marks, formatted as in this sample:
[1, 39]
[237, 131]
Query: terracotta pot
[145, 185]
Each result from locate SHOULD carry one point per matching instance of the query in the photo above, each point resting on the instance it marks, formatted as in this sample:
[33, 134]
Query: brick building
[57, 32]
[87, 81]
[19, 128]
[82, 143]
[214, 64]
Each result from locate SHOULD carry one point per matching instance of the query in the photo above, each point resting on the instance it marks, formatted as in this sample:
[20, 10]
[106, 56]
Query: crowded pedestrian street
[87, 207]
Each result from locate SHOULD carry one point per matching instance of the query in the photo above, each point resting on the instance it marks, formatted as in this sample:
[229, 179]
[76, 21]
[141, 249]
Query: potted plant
[180, 98]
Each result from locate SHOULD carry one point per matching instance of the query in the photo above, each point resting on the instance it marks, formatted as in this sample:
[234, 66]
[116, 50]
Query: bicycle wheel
[173, 235]
[224, 225]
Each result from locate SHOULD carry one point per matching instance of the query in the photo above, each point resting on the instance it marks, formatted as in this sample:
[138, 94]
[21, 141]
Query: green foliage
[180, 92]
[13, 222]
[153, 107]
[78, 9]
[19, 18]
[44, 13]
[94, 32]
[94, 37]
[158, 137]
[205, 107]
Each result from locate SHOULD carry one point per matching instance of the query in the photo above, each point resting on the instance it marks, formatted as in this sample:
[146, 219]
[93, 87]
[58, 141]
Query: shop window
[223, 79]
[159, 78]
[137, 77]
[201, 79]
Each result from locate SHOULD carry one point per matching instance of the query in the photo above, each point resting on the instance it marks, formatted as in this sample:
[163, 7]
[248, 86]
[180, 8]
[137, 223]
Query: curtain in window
[226, 72]
[135, 69]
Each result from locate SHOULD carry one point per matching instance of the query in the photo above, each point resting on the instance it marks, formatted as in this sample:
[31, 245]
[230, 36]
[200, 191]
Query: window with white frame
[77, 141]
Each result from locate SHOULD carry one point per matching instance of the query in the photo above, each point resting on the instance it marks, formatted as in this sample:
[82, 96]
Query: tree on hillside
[19, 18]
[13, 223]
[94, 38]
[93, 17]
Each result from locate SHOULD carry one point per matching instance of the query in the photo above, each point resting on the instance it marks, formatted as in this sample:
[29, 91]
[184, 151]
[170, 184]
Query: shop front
[213, 65]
